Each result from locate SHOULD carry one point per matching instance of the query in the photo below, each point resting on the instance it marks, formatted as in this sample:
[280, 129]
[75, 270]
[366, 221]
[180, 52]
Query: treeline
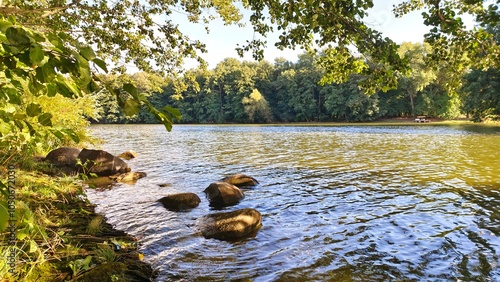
[261, 92]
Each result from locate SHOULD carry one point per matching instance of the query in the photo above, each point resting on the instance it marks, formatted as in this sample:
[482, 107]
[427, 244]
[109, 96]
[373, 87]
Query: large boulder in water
[64, 156]
[180, 202]
[240, 180]
[230, 225]
[101, 163]
[221, 194]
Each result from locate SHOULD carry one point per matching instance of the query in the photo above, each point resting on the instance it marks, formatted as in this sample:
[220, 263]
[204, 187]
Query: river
[339, 203]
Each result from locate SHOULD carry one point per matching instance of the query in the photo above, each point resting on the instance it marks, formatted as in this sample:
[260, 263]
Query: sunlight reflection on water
[362, 203]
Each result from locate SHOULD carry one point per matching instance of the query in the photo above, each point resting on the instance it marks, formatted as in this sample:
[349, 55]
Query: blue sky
[222, 40]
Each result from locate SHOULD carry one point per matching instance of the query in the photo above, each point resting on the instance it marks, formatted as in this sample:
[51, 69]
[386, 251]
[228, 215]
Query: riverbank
[397, 122]
[60, 237]
[381, 122]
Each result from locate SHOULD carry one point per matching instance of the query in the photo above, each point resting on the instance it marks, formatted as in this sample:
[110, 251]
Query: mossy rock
[111, 271]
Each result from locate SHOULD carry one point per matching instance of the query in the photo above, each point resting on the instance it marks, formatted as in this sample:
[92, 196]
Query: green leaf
[87, 53]
[20, 235]
[17, 36]
[86, 262]
[19, 124]
[131, 107]
[4, 216]
[39, 37]
[58, 134]
[11, 63]
[33, 246]
[4, 190]
[51, 89]
[72, 134]
[4, 25]
[6, 116]
[20, 116]
[10, 49]
[67, 87]
[48, 72]
[173, 111]
[120, 100]
[5, 127]
[32, 131]
[164, 119]
[36, 54]
[130, 88]
[14, 97]
[33, 109]
[45, 119]
[12, 19]
[100, 63]
[143, 98]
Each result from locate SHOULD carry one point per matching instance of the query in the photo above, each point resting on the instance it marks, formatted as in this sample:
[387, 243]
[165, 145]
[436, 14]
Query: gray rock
[101, 163]
[230, 225]
[240, 180]
[221, 194]
[180, 202]
[64, 156]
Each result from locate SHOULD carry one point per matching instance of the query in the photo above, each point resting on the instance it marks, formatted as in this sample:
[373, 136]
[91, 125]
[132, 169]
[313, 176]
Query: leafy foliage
[449, 36]
[128, 31]
[35, 68]
[289, 92]
[44, 80]
[480, 94]
[256, 107]
[145, 33]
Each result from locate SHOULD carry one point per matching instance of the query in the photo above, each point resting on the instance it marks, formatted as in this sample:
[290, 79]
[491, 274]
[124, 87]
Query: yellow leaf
[140, 256]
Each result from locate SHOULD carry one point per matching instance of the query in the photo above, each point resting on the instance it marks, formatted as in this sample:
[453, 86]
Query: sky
[222, 40]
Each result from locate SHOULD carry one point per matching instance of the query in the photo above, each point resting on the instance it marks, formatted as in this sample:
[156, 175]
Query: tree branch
[439, 13]
[45, 11]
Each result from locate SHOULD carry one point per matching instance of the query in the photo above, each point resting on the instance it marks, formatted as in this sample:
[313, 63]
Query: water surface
[347, 203]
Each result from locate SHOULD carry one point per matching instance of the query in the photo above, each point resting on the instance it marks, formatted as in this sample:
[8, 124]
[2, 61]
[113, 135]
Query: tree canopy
[144, 33]
[249, 92]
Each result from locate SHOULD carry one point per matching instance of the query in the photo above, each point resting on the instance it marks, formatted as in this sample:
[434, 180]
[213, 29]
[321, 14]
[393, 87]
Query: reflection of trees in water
[481, 158]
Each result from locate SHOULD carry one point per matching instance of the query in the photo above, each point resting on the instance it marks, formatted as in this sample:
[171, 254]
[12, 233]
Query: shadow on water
[478, 128]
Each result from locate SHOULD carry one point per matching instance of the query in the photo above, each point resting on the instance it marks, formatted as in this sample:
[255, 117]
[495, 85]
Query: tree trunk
[318, 118]
[221, 118]
[410, 93]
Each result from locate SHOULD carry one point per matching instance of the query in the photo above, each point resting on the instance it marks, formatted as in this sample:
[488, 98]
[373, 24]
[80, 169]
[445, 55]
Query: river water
[339, 203]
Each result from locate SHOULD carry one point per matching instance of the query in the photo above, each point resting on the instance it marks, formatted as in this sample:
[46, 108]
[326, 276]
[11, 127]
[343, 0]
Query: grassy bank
[59, 237]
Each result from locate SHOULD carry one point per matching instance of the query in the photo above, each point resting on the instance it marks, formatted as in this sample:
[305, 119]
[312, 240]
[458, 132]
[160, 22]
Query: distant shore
[380, 122]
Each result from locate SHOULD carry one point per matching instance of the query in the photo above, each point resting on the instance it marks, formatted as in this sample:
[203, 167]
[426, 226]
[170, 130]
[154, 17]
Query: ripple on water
[338, 203]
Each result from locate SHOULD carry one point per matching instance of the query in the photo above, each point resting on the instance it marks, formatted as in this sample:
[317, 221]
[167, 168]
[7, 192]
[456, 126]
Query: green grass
[58, 228]
[95, 226]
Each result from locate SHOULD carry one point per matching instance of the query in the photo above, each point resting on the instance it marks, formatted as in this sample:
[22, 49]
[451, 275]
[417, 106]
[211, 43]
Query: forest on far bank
[262, 92]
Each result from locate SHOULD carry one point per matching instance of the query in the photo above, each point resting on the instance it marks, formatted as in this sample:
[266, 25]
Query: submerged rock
[128, 176]
[101, 163]
[240, 180]
[127, 155]
[180, 202]
[230, 225]
[221, 194]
